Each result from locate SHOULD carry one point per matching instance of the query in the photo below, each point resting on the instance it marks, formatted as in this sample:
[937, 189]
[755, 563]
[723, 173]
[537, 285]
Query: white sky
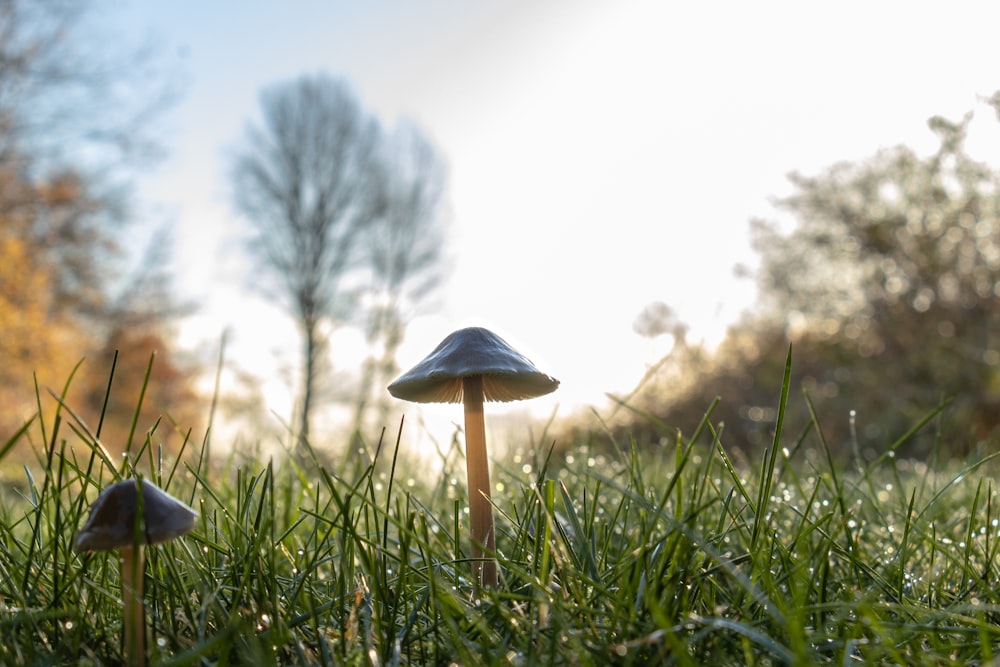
[602, 154]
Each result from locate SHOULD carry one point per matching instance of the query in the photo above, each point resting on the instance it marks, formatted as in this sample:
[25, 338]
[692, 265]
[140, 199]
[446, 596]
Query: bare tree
[72, 96]
[304, 179]
[404, 255]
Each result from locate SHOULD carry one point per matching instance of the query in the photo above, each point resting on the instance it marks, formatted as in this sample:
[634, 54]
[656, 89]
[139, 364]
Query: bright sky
[602, 155]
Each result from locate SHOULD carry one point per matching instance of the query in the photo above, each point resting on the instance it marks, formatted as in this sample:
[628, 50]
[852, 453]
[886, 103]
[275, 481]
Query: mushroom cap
[111, 524]
[507, 374]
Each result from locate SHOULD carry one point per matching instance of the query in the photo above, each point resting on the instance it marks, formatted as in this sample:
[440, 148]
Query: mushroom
[121, 519]
[472, 365]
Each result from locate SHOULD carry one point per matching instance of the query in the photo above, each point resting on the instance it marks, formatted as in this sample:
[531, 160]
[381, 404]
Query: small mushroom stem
[133, 561]
[484, 572]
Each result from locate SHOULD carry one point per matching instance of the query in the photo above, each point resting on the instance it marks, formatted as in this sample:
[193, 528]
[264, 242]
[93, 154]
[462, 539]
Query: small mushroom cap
[507, 374]
[112, 517]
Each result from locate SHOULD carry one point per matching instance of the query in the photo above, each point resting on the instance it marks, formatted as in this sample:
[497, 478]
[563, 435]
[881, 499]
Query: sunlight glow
[601, 155]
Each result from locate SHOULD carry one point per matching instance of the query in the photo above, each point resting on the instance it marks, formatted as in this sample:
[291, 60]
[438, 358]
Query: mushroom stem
[484, 572]
[133, 561]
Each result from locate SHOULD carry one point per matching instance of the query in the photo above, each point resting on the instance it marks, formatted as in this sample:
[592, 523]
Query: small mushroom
[122, 520]
[472, 365]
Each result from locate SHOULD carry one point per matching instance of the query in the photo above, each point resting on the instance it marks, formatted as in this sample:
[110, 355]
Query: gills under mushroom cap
[111, 524]
[507, 374]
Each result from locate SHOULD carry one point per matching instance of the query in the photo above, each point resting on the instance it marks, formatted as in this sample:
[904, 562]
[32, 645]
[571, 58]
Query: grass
[668, 555]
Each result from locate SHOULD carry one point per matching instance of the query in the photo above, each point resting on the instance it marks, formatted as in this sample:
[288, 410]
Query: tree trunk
[366, 384]
[309, 368]
[388, 366]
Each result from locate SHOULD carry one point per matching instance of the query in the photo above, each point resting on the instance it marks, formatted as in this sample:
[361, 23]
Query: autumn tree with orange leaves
[63, 296]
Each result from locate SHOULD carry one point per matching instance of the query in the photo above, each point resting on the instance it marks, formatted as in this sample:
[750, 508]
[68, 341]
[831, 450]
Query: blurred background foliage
[350, 218]
[885, 278]
[76, 123]
[884, 274]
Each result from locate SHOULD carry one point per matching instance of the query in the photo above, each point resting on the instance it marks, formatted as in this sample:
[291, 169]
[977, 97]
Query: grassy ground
[670, 556]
